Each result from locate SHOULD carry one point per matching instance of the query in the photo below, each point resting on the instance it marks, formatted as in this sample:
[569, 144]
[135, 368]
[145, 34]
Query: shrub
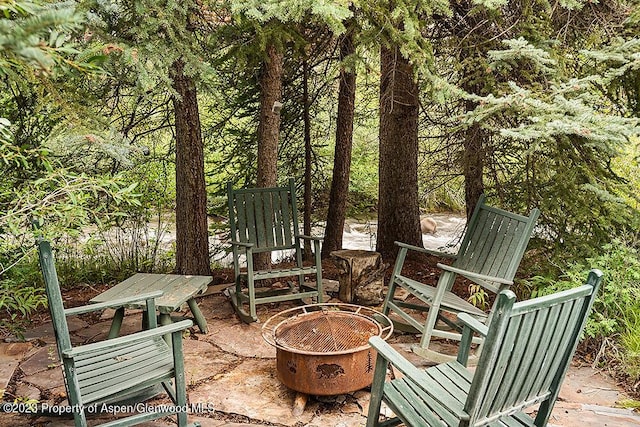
[21, 294]
[615, 319]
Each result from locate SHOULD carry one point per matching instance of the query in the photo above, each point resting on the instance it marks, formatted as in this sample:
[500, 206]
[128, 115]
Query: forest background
[120, 117]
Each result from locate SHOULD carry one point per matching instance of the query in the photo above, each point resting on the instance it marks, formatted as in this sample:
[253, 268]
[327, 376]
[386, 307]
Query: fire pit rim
[271, 325]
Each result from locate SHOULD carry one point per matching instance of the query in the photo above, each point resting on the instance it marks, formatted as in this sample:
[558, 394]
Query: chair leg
[79, 419]
[180, 382]
[402, 253]
[318, 262]
[446, 279]
[375, 401]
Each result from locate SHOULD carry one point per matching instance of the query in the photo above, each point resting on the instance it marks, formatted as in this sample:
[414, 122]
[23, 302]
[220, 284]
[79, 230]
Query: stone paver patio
[231, 375]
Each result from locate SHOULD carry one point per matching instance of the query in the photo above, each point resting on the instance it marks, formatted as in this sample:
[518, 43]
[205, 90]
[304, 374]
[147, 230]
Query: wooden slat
[123, 369]
[241, 211]
[500, 378]
[251, 217]
[516, 247]
[450, 301]
[495, 265]
[404, 406]
[279, 224]
[287, 217]
[177, 289]
[134, 373]
[558, 345]
[567, 345]
[98, 359]
[268, 214]
[266, 274]
[523, 385]
[484, 245]
[261, 233]
[428, 405]
[133, 383]
[136, 284]
[519, 357]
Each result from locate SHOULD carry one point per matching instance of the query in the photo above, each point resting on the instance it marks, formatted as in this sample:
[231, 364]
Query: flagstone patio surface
[231, 375]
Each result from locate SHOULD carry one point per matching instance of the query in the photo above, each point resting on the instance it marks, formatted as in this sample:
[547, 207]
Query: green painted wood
[174, 291]
[491, 250]
[527, 350]
[271, 222]
[501, 367]
[536, 334]
[250, 212]
[279, 222]
[261, 235]
[287, 219]
[117, 368]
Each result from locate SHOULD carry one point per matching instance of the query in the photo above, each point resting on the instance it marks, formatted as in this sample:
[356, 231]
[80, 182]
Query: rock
[27, 391]
[428, 225]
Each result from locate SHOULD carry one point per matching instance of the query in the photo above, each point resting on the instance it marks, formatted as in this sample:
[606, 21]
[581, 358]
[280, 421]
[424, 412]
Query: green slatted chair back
[527, 352]
[266, 217]
[495, 242]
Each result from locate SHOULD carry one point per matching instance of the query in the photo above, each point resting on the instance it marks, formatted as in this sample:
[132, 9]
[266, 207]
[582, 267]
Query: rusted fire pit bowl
[323, 349]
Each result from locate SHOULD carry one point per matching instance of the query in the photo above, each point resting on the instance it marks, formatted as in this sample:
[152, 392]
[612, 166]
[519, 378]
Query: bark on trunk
[307, 162]
[269, 130]
[473, 166]
[398, 210]
[342, 156]
[192, 238]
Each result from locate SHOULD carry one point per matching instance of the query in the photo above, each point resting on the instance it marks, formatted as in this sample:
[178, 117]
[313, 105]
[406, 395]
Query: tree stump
[361, 276]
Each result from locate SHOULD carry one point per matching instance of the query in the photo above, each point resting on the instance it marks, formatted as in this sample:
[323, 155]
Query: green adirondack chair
[266, 220]
[489, 255]
[528, 349]
[117, 369]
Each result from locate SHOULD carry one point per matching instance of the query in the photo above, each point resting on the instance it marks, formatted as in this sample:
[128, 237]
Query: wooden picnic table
[177, 289]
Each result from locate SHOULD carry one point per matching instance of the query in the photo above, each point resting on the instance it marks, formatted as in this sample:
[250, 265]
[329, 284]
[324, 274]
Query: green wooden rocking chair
[266, 220]
[527, 351]
[489, 255]
[121, 368]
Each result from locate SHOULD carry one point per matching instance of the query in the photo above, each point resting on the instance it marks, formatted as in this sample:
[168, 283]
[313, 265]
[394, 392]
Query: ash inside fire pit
[323, 349]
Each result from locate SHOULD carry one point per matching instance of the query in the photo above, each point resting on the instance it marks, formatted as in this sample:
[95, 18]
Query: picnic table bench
[176, 290]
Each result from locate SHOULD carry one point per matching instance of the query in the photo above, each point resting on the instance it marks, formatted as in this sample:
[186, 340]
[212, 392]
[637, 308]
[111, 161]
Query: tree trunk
[398, 210]
[342, 156]
[473, 167]
[269, 130]
[307, 160]
[192, 235]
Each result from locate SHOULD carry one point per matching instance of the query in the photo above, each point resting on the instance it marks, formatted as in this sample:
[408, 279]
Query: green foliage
[34, 36]
[332, 13]
[619, 64]
[559, 145]
[21, 294]
[616, 310]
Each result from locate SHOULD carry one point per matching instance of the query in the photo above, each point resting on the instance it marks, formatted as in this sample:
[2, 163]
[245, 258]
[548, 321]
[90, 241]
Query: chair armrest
[117, 342]
[246, 245]
[471, 275]
[417, 376]
[472, 323]
[426, 251]
[111, 304]
[396, 359]
[304, 236]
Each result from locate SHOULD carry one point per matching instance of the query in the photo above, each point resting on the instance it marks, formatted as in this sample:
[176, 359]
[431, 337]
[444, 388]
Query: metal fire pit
[323, 349]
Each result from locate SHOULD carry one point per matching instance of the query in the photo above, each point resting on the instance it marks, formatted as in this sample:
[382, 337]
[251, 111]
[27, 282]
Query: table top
[177, 289]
